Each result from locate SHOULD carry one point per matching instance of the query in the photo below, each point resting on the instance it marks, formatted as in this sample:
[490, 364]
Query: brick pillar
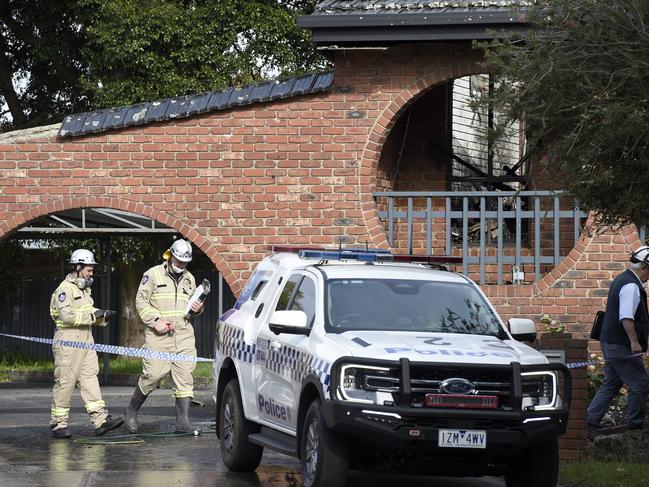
[574, 441]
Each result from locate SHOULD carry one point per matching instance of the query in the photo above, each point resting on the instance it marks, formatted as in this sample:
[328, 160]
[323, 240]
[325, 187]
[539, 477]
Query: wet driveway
[29, 457]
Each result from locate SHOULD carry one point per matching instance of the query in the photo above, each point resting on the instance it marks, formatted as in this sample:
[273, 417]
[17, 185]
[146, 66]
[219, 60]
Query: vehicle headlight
[368, 384]
[540, 390]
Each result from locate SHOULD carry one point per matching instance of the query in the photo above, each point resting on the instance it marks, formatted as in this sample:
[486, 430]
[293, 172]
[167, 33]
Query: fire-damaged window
[481, 162]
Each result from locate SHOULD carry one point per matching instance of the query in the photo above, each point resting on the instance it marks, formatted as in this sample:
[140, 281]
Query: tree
[579, 77]
[79, 55]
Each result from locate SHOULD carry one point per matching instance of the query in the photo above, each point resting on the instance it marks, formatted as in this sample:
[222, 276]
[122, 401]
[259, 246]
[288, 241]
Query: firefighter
[73, 311]
[161, 300]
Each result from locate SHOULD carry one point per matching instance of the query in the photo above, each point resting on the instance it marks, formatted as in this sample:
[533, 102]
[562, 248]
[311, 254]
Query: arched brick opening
[380, 131]
[20, 219]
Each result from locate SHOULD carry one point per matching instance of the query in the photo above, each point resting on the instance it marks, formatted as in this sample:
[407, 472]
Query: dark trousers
[618, 371]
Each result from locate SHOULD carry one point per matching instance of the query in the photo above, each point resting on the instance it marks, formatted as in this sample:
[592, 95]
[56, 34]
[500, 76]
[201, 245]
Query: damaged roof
[190, 105]
[371, 22]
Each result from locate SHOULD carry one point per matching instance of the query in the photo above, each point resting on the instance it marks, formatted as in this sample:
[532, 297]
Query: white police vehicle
[350, 359]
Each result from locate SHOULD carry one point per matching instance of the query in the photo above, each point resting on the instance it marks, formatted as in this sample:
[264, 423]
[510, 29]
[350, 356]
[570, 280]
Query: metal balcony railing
[492, 230]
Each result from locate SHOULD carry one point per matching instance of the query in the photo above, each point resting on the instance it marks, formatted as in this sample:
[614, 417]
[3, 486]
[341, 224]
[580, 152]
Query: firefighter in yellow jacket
[73, 311]
[161, 300]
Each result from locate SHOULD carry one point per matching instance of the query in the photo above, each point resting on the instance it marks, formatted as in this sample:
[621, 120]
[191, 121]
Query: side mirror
[522, 329]
[292, 322]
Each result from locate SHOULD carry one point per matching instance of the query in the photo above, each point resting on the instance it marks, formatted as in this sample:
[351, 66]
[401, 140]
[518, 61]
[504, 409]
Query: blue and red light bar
[365, 255]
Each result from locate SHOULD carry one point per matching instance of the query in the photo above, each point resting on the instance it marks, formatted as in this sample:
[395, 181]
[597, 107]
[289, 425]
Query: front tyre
[325, 457]
[237, 452]
[537, 466]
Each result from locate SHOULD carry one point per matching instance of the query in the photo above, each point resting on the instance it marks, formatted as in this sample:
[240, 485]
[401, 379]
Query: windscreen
[408, 305]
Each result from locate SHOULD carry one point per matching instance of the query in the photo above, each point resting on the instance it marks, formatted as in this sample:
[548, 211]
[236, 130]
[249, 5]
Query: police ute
[367, 360]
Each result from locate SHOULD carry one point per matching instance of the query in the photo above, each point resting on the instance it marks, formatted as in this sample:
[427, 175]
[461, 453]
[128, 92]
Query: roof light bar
[365, 255]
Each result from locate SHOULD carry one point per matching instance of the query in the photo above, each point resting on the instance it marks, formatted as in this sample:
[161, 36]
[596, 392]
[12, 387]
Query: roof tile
[185, 106]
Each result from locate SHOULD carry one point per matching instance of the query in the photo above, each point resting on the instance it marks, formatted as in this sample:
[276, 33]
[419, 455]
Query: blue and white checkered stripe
[295, 365]
[116, 350]
[231, 343]
[289, 362]
[322, 369]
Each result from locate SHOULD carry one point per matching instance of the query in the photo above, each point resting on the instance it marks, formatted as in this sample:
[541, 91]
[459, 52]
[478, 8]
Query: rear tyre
[237, 452]
[537, 466]
[325, 457]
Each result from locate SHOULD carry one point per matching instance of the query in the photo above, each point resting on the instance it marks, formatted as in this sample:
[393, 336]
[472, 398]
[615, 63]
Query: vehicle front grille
[428, 379]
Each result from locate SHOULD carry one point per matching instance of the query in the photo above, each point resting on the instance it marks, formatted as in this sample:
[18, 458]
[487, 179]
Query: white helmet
[82, 256]
[182, 250]
[640, 255]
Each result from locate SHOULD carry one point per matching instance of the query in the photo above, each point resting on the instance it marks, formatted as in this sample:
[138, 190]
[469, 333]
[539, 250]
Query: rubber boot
[108, 424]
[183, 425]
[130, 412]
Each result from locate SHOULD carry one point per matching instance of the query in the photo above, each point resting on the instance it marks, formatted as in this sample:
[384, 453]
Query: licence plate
[462, 439]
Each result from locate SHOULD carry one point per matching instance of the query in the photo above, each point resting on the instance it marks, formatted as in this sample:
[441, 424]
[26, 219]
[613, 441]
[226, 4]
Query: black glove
[106, 314]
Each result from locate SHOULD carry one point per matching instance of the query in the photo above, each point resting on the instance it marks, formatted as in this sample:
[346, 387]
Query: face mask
[176, 270]
[83, 283]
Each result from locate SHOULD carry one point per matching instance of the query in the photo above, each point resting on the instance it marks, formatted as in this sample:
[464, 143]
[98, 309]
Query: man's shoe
[593, 432]
[109, 424]
[61, 432]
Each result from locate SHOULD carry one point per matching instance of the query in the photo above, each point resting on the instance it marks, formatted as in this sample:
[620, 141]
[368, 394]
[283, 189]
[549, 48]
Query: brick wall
[573, 442]
[296, 171]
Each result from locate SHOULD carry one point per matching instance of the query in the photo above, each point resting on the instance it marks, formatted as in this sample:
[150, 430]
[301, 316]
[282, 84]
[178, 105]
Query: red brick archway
[380, 131]
[20, 219]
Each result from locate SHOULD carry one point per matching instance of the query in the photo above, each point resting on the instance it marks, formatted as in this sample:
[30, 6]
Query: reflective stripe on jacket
[160, 296]
[71, 306]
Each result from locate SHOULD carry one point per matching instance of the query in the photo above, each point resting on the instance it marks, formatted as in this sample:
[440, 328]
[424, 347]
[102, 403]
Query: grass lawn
[117, 365]
[134, 366]
[603, 474]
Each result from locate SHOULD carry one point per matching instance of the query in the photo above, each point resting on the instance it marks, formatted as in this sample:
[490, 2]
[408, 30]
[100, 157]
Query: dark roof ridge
[189, 105]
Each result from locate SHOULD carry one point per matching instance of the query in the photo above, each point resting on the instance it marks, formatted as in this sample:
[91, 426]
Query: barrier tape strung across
[114, 349]
[576, 365]
[154, 354]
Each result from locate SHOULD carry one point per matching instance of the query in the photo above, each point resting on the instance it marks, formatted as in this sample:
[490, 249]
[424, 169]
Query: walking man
[161, 299]
[73, 311]
[623, 338]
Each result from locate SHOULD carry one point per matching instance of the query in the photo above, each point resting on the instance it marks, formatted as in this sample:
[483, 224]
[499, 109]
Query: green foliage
[123, 250]
[579, 78]
[595, 374]
[89, 54]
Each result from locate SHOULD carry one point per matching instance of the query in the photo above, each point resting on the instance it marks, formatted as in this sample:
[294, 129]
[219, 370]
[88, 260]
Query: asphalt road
[29, 457]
